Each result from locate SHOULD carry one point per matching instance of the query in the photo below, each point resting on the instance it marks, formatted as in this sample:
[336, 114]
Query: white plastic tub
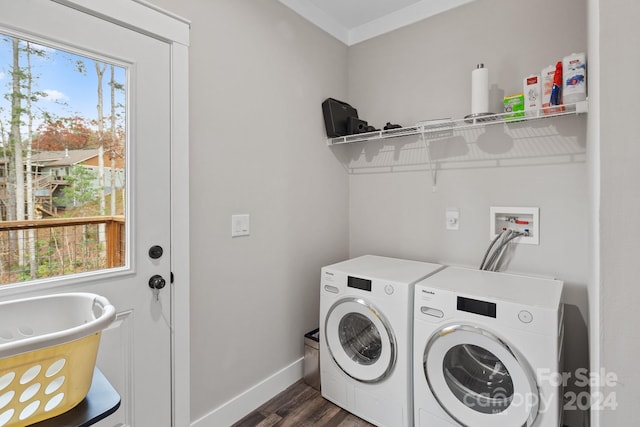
[48, 349]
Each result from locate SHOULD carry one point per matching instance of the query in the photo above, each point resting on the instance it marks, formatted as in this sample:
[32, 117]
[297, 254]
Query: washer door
[478, 380]
[360, 340]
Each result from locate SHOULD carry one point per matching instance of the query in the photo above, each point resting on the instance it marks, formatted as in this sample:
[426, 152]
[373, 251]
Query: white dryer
[365, 336]
[487, 350]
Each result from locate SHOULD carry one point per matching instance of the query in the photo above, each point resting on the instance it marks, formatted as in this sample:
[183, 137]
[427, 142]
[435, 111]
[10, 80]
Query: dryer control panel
[338, 283]
[375, 277]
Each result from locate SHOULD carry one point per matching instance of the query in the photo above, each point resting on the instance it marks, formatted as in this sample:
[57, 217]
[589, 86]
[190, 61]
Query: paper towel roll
[480, 90]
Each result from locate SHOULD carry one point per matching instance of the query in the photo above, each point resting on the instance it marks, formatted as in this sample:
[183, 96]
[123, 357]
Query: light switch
[240, 225]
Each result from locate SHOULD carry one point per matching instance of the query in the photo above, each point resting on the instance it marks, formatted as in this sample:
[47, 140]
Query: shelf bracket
[432, 164]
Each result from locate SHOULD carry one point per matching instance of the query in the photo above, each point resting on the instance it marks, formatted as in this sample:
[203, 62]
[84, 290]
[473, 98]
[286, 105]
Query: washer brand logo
[424, 291]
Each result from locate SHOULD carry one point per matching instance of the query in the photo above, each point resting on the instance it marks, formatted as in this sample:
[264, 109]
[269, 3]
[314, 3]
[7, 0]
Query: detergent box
[514, 106]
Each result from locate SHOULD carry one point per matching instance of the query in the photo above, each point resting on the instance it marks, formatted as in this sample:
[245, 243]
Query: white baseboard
[249, 400]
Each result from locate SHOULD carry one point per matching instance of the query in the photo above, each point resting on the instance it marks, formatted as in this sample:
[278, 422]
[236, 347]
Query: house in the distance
[51, 168]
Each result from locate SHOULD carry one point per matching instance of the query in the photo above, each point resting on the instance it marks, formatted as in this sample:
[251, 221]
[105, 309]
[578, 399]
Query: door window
[63, 137]
[478, 378]
[360, 339]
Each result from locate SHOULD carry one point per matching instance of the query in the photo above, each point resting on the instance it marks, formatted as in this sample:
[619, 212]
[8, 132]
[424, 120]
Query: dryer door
[360, 340]
[478, 380]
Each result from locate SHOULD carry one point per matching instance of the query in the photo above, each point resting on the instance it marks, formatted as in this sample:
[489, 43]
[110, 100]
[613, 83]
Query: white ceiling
[353, 21]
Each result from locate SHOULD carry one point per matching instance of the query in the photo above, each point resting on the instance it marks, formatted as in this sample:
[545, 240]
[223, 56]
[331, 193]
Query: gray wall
[258, 74]
[423, 71]
[619, 38]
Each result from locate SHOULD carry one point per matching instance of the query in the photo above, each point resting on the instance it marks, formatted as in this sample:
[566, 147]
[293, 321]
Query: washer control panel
[438, 306]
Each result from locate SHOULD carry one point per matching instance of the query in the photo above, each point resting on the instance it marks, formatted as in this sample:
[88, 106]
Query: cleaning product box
[547, 85]
[514, 106]
[574, 69]
[547, 76]
[532, 94]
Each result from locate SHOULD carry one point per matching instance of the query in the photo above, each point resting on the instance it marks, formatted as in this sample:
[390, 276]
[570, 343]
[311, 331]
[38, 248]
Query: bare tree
[15, 182]
[3, 241]
[33, 268]
[112, 151]
[100, 69]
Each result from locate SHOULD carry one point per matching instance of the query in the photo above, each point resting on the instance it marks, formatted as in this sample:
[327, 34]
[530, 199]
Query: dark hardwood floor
[300, 405]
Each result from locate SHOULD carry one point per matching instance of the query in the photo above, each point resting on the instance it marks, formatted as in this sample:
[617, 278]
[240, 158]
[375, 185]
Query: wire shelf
[445, 127]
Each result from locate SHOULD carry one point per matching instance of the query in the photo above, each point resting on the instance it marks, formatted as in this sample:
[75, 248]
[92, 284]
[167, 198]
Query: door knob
[157, 282]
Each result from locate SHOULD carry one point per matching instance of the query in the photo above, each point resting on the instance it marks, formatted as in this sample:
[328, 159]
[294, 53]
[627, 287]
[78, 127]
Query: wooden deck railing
[60, 246]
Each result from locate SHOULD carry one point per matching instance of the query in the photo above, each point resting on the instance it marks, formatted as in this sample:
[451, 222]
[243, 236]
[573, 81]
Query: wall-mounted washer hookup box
[525, 220]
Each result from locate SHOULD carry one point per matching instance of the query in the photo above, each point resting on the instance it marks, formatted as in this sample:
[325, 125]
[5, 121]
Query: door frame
[143, 17]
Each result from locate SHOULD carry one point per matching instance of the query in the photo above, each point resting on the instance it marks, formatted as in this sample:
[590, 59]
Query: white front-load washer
[365, 336]
[487, 350]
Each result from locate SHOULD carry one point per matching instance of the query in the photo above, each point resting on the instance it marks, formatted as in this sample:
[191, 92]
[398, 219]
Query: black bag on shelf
[336, 117]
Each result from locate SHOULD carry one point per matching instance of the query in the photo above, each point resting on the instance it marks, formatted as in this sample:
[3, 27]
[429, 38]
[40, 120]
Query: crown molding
[385, 24]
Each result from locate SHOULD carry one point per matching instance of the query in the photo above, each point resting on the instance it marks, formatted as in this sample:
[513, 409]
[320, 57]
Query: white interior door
[135, 352]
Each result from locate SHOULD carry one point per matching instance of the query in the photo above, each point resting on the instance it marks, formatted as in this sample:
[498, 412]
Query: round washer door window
[478, 380]
[360, 340]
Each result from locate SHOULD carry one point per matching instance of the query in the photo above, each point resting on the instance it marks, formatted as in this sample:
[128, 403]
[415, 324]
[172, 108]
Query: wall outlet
[240, 225]
[453, 219]
[525, 220]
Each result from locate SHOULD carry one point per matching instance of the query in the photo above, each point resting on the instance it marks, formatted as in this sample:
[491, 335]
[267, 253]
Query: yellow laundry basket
[48, 349]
